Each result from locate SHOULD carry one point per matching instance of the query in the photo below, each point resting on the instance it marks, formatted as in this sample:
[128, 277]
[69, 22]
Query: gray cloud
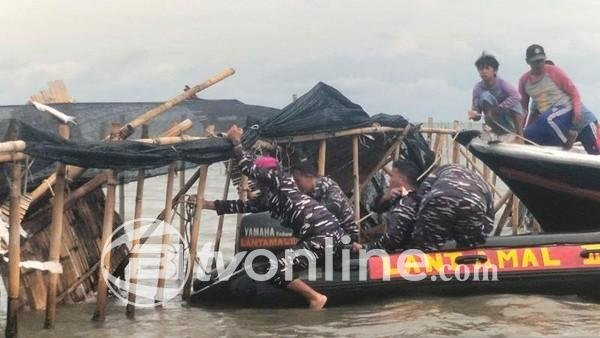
[409, 57]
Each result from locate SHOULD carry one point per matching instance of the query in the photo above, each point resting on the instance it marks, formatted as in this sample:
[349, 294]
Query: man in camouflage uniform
[311, 222]
[327, 192]
[452, 203]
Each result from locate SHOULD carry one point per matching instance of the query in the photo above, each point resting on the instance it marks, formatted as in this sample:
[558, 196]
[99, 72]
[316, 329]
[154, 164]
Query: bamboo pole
[515, 216]
[56, 230]
[122, 185]
[385, 158]
[504, 216]
[324, 136]
[502, 201]
[181, 205]
[356, 174]
[195, 230]
[243, 195]
[166, 237]
[128, 129]
[222, 217]
[170, 140]
[455, 145]
[109, 211]
[152, 113]
[474, 167]
[443, 131]
[12, 146]
[137, 215]
[14, 252]
[4, 157]
[429, 126]
[322, 157]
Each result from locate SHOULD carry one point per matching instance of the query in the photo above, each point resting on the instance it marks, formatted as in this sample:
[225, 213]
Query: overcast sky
[409, 57]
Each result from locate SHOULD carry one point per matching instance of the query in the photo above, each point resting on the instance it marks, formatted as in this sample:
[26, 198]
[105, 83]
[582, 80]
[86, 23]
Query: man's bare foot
[318, 303]
[571, 138]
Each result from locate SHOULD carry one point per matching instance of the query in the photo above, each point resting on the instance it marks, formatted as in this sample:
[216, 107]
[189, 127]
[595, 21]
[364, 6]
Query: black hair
[305, 169]
[487, 60]
[407, 169]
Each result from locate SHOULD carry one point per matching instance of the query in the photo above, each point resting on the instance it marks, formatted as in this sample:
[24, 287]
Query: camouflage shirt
[283, 200]
[329, 194]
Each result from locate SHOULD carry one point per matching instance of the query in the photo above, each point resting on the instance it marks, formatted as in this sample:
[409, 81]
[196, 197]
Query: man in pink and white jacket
[562, 117]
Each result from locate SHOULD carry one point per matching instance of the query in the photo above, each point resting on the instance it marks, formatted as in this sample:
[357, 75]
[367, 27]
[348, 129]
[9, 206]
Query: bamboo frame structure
[144, 118]
[56, 230]
[322, 157]
[222, 217]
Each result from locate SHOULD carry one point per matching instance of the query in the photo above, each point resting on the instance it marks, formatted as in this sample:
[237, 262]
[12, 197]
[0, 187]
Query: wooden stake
[429, 126]
[166, 237]
[56, 229]
[109, 211]
[243, 195]
[515, 216]
[181, 205]
[322, 157]
[195, 231]
[504, 216]
[222, 217]
[455, 145]
[14, 252]
[137, 214]
[356, 175]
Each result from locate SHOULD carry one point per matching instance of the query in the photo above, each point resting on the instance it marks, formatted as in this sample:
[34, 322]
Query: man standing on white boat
[496, 99]
[563, 119]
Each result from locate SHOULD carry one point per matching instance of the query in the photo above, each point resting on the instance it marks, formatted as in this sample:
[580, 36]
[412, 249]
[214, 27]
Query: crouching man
[452, 203]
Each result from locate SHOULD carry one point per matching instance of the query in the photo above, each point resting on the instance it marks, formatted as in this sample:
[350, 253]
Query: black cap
[535, 53]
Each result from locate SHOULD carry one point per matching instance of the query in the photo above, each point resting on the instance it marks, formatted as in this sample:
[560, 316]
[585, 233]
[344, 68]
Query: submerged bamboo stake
[137, 214]
[356, 174]
[109, 211]
[14, 252]
[56, 230]
[187, 289]
[166, 237]
[322, 157]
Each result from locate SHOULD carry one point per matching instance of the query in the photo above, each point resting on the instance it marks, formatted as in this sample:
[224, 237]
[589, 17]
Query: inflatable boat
[561, 189]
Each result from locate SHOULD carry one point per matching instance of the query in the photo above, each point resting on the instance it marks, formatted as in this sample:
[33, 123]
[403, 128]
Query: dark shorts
[446, 218]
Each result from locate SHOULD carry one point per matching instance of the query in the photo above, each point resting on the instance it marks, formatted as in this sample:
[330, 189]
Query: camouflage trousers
[444, 218]
[306, 252]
